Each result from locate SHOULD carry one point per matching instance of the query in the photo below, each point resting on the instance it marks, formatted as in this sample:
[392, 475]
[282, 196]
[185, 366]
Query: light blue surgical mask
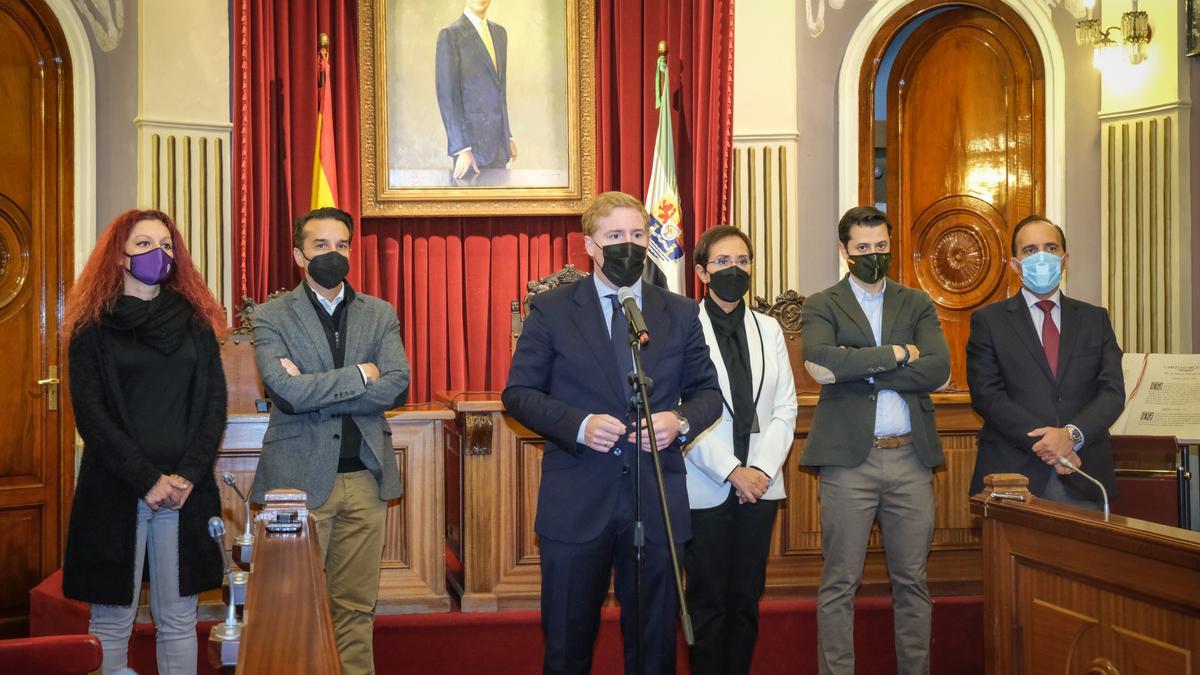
[1041, 272]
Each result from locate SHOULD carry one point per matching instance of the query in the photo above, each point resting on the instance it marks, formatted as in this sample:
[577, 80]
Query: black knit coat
[115, 474]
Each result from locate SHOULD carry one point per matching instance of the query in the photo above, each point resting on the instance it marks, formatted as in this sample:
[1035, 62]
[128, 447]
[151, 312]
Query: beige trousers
[350, 530]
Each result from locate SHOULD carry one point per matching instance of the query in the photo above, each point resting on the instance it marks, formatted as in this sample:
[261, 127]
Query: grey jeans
[174, 616]
[895, 488]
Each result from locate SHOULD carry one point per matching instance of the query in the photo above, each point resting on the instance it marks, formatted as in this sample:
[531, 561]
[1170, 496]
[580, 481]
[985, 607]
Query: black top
[730, 331]
[115, 471]
[151, 346]
[335, 332]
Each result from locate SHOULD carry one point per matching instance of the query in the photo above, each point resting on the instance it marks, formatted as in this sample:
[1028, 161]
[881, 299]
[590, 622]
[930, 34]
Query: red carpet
[511, 642]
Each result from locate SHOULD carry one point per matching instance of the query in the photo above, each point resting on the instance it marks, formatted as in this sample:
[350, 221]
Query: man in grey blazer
[332, 362]
[878, 350]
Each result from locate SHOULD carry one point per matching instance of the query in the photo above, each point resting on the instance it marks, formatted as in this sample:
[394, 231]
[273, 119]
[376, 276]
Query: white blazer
[710, 458]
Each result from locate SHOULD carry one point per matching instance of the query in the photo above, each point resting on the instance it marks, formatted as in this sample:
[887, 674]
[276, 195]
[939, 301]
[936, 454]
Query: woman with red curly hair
[149, 396]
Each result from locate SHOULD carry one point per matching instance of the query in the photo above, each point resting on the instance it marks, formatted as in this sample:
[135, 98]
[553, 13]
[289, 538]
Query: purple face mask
[152, 267]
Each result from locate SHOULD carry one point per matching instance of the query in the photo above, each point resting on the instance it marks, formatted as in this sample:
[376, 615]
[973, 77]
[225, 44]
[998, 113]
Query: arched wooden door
[965, 156]
[35, 267]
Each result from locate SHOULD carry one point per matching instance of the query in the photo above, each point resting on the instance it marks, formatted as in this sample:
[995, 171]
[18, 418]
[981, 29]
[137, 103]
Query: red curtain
[274, 131]
[699, 36]
[453, 280]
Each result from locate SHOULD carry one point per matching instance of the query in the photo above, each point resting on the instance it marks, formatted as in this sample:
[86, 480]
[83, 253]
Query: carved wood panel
[21, 561]
[412, 577]
[500, 495]
[965, 153]
[1077, 625]
[795, 562]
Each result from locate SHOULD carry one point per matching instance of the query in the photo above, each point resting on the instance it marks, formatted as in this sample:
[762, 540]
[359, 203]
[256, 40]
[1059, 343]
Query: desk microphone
[637, 325]
[1104, 493]
[247, 537]
[231, 628]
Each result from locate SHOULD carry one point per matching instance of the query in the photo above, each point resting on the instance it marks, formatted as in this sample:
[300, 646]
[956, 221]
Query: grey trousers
[174, 616]
[895, 488]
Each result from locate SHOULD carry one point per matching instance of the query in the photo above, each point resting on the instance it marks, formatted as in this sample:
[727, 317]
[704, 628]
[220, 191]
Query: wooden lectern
[1066, 591]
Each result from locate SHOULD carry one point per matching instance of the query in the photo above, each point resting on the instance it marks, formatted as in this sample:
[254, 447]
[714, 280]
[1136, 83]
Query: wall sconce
[1135, 32]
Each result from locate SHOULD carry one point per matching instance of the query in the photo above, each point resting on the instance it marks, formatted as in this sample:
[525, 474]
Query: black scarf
[160, 323]
[730, 331]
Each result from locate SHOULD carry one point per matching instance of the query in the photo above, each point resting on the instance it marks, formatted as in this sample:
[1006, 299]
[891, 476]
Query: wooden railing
[288, 626]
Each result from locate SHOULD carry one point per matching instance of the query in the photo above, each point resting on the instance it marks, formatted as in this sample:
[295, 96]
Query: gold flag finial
[323, 41]
[662, 47]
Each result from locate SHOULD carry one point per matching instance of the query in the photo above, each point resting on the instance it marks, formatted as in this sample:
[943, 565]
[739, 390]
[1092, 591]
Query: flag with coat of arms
[662, 195]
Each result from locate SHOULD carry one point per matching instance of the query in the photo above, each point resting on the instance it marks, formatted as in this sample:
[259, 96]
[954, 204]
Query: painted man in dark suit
[878, 349]
[1045, 376]
[568, 383]
[472, 85]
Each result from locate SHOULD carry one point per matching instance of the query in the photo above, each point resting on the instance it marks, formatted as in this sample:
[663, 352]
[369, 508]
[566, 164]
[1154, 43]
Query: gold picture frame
[392, 188]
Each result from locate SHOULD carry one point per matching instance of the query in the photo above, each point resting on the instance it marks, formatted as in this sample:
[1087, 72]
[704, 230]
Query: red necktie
[1049, 334]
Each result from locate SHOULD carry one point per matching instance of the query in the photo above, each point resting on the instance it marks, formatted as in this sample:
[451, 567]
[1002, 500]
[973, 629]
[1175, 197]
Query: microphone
[216, 530]
[637, 325]
[246, 538]
[1104, 493]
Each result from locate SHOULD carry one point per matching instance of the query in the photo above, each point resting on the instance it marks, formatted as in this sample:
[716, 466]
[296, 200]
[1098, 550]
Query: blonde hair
[604, 204]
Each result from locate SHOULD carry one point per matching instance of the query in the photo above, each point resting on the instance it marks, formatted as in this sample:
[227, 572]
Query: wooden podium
[1066, 591]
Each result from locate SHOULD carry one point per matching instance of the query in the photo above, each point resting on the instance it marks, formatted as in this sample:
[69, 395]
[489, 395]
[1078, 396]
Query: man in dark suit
[1045, 376]
[878, 350]
[568, 383]
[472, 65]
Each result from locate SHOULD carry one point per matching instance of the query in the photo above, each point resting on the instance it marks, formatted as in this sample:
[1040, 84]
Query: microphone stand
[1103, 493]
[641, 400]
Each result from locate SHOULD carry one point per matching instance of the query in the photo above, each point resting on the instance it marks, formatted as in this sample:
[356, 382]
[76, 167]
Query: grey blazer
[840, 352]
[301, 450]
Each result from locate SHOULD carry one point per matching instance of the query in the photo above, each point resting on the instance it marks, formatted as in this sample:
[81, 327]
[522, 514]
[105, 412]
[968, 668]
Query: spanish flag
[324, 187]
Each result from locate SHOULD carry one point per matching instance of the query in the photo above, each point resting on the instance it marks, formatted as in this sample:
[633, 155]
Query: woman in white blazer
[735, 468]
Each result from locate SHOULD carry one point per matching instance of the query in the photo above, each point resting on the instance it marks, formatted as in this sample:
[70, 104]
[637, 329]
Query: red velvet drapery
[453, 280]
[274, 131]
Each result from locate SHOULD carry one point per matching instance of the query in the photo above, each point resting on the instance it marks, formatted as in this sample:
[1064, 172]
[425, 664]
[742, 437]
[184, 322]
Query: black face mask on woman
[730, 284]
[328, 269]
[624, 263]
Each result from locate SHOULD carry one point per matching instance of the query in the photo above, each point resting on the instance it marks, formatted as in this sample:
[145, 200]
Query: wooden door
[965, 149]
[35, 265]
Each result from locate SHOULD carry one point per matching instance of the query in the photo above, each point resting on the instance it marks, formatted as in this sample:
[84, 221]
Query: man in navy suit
[568, 383]
[1045, 376]
[472, 62]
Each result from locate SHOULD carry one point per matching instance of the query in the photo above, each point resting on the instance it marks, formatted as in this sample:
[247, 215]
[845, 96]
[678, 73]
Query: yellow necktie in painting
[486, 34]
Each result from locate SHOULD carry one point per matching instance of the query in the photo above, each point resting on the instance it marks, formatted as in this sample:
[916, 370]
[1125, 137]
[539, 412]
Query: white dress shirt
[891, 412]
[1038, 315]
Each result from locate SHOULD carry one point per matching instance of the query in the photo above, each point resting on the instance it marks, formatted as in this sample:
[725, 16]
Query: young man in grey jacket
[878, 349]
[332, 362]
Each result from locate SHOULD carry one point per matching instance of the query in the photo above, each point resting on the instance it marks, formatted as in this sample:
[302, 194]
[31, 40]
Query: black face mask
[328, 269]
[730, 284]
[623, 263]
[870, 267]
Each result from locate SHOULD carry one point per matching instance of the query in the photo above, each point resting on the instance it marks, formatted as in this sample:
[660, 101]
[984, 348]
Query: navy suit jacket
[1014, 392]
[564, 368]
[472, 93]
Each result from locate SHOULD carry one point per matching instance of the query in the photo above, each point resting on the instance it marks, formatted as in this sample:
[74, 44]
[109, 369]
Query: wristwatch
[907, 355]
[684, 427]
[1076, 435]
